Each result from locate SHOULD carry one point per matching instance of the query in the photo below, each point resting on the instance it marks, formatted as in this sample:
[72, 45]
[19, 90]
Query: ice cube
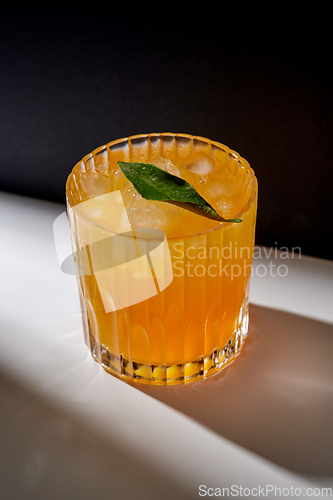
[224, 206]
[216, 189]
[129, 194]
[119, 179]
[199, 164]
[92, 184]
[146, 214]
[166, 165]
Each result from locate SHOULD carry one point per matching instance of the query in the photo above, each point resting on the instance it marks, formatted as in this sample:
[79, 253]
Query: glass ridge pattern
[155, 374]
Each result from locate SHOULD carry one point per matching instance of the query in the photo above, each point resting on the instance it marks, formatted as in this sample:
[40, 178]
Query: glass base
[177, 374]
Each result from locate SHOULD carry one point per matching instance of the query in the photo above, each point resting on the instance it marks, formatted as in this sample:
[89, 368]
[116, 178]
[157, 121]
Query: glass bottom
[183, 373]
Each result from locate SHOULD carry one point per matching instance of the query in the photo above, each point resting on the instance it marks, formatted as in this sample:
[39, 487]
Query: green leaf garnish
[153, 183]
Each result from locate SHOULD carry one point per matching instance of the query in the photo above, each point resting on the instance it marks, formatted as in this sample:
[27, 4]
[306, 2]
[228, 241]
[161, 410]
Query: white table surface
[71, 431]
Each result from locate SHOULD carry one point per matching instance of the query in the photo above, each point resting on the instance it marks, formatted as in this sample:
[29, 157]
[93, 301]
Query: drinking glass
[166, 304]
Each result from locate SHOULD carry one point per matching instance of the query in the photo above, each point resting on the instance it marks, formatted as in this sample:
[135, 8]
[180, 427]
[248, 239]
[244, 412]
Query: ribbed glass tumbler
[167, 303]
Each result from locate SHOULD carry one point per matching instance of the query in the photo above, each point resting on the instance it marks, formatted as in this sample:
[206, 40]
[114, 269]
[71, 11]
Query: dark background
[72, 79]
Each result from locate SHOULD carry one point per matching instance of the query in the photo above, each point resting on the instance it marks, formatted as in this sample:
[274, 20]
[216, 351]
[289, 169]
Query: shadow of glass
[46, 452]
[276, 398]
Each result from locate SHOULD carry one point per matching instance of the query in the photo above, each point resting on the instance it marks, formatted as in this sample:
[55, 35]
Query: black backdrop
[73, 79]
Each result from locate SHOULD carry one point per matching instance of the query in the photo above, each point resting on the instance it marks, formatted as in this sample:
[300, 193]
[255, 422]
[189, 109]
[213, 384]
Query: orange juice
[196, 324]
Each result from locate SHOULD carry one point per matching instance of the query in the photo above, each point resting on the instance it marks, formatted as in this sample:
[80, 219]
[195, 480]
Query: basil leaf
[153, 183]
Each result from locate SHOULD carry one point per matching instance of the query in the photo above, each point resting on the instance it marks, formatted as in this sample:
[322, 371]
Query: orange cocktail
[195, 323]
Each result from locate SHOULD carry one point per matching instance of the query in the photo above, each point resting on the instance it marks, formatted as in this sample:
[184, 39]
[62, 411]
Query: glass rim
[160, 135]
